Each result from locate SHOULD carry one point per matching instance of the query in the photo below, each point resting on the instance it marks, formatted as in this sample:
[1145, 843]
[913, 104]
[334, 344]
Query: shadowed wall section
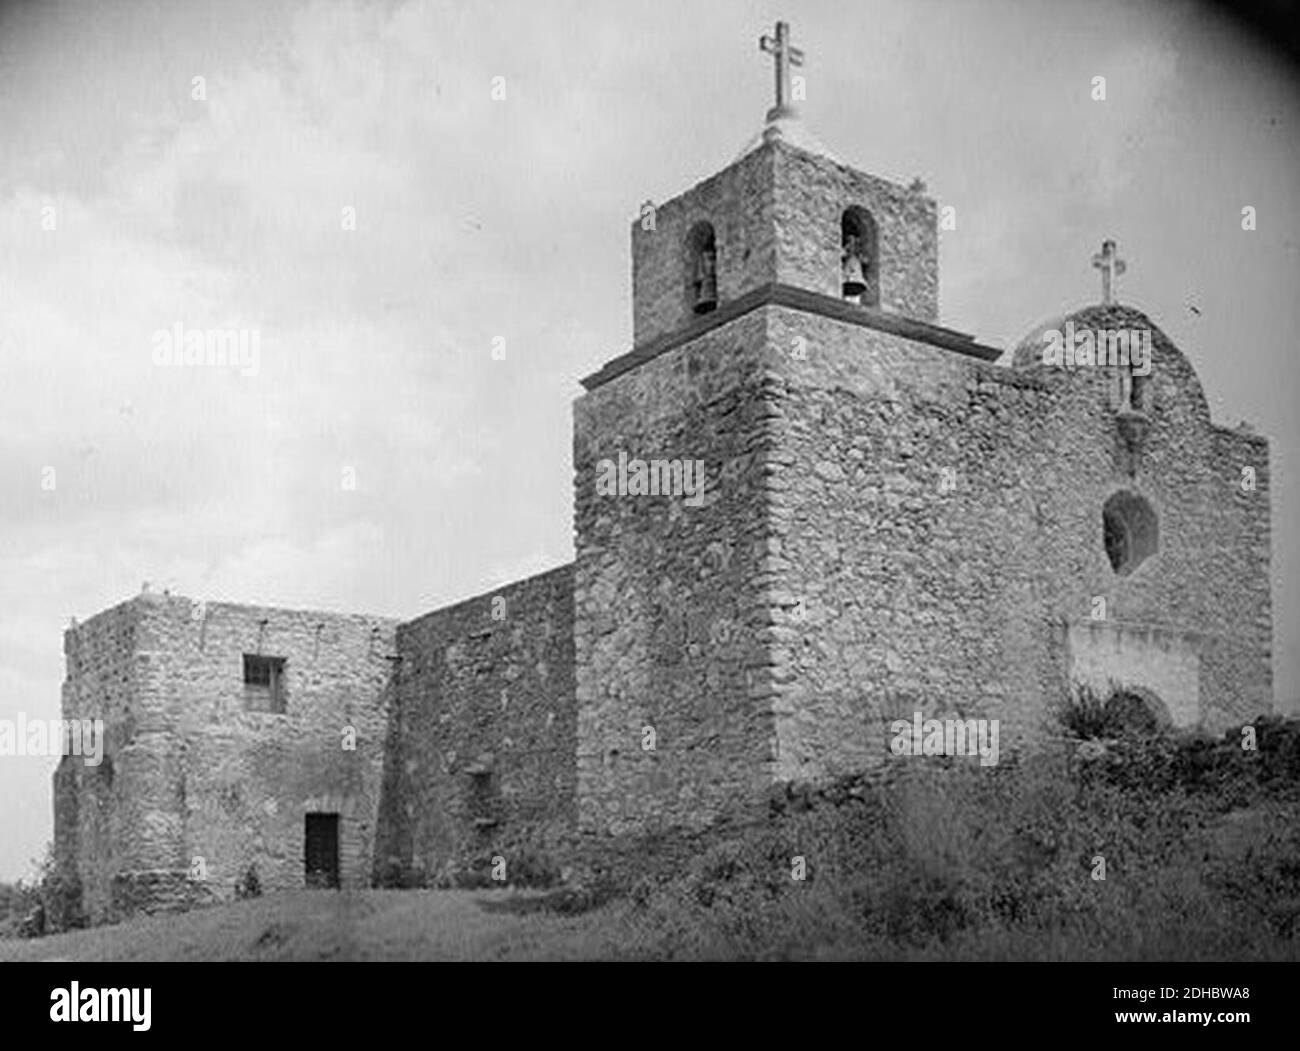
[482, 743]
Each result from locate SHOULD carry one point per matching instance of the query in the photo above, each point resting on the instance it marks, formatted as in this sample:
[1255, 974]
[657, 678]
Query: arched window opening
[859, 261]
[1130, 532]
[702, 269]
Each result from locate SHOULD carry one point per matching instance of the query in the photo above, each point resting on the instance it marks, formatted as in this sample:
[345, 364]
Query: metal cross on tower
[1111, 266]
[784, 56]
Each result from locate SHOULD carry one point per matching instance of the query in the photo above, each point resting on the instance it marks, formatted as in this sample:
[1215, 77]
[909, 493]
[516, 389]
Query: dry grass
[329, 925]
[1201, 842]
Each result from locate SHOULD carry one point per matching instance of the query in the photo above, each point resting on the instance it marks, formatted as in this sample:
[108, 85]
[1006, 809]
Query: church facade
[887, 520]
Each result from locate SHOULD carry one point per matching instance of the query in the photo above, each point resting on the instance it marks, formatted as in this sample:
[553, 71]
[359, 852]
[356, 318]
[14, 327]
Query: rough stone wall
[811, 193]
[483, 736]
[914, 597]
[250, 777]
[669, 599]
[1211, 576]
[738, 202]
[776, 216]
[195, 774]
[100, 683]
[1237, 670]
[960, 601]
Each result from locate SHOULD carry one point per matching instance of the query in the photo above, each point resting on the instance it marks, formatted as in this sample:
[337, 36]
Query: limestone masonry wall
[250, 777]
[100, 684]
[195, 774]
[913, 597]
[669, 598]
[483, 735]
[738, 202]
[776, 217]
[959, 600]
[811, 193]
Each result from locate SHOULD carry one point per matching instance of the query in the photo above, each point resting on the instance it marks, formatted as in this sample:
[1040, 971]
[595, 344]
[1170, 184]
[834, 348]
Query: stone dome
[1029, 351]
[1171, 370]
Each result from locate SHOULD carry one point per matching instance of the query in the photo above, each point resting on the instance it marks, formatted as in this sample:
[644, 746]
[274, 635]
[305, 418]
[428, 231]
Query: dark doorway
[322, 850]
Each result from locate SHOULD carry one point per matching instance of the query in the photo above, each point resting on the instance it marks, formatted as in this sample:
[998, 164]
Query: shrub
[943, 859]
[60, 895]
[1084, 715]
[250, 886]
[528, 866]
[22, 912]
[391, 874]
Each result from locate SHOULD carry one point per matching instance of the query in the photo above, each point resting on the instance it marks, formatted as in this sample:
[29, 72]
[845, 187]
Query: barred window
[264, 683]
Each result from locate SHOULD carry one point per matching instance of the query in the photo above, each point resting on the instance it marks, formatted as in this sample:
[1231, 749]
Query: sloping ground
[728, 907]
[328, 925]
[1131, 848]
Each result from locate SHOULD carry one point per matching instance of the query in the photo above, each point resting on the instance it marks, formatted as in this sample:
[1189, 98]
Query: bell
[854, 281]
[706, 283]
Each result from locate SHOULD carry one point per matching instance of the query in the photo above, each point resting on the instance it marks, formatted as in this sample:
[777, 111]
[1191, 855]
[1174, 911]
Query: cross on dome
[1111, 266]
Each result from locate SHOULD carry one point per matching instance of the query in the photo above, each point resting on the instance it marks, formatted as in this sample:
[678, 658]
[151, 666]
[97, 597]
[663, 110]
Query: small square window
[264, 683]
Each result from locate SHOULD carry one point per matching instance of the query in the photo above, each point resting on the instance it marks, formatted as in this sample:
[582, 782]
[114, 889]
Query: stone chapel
[892, 520]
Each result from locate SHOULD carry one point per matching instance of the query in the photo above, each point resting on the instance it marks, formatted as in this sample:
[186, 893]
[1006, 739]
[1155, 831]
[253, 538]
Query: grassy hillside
[328, 925]
[1122, 847]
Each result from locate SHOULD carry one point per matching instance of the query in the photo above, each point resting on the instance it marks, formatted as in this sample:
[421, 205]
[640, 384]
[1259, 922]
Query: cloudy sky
[134, 196]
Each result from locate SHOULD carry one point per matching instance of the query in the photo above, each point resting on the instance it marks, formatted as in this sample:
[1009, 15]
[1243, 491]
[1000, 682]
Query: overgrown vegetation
[18, 909]
[530, 865]
[1199, 838]
[32, 908]
[250, 886]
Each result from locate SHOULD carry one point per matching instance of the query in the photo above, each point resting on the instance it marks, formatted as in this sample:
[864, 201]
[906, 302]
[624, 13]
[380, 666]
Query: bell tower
[684, 603]
[785, 213]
